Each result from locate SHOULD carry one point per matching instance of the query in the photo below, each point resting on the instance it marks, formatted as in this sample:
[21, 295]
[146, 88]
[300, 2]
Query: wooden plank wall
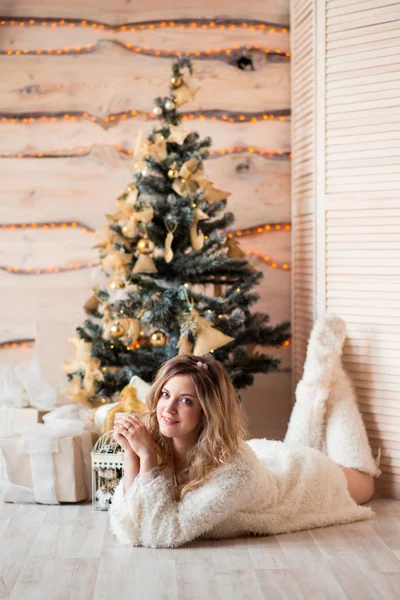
[75, 90]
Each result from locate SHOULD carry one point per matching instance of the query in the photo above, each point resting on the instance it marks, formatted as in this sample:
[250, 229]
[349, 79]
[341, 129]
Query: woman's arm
[153, 518]
[131, 470]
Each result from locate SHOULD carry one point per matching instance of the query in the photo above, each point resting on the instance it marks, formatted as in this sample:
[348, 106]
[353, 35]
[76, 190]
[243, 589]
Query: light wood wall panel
[121, 11]
[39, 136]
[85, 188]
[203, 38]
[355, 274]
[113, 80]
[91, 166]
[303, 179]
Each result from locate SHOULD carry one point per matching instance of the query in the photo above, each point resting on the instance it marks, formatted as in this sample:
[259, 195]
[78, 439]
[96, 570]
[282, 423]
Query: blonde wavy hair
[222, 423]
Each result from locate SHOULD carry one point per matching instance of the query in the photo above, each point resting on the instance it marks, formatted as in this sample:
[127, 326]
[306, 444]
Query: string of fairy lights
[181, 24]
[29, 342]
[147, 26]
[112, 119]
[74, 266]
[12, 344]
[85, 150]
[221, 24]
[144, 50]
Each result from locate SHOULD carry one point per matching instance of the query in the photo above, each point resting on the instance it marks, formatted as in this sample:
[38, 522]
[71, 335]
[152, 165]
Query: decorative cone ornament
[208, 338]
[145, 263]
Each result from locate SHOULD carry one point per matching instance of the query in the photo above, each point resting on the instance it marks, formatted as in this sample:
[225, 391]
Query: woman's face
[178, 408]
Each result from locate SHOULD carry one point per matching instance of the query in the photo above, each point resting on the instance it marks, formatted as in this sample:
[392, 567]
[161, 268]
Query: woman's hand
[131, 433]
[123, 442]
[131, 461]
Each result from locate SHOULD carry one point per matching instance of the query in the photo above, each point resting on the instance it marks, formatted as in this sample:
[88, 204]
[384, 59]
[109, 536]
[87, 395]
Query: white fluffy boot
[346, 440]
[307, 421]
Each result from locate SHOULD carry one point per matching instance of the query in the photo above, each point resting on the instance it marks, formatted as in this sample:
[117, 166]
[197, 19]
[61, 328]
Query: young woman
[189, 473]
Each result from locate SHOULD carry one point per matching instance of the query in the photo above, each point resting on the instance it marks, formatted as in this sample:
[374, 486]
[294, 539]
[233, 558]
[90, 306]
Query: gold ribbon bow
[144, 216]
[191, 177]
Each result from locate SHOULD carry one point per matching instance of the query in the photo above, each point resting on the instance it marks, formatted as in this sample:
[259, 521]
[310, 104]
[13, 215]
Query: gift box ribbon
[40, 443]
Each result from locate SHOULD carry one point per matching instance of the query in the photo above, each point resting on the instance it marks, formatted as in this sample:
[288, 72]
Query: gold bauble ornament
[117, 330]
[115, 284]
[173, 173]
[145, 246]
[158, 338]
[176, 81]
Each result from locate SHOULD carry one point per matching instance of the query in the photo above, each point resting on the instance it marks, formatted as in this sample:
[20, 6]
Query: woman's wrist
[131, 469]
[148, 461]
[131, 458]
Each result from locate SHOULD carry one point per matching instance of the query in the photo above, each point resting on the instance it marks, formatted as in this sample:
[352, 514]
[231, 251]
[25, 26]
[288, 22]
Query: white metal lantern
[107, 470]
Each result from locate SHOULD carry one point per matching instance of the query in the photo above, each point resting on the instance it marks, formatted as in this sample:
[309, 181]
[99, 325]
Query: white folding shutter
[303, 178]
[346, 200]
[360, 212]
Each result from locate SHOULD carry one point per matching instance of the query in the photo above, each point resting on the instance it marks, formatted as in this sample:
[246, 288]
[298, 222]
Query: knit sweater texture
[267, 488]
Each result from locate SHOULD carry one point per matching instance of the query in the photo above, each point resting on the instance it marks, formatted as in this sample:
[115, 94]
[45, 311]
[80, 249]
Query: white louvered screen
[359, 208]
[346, 200]
[303, 192]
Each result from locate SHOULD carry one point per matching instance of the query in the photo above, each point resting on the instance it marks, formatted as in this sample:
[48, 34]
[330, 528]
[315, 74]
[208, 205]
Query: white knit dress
[268, 488]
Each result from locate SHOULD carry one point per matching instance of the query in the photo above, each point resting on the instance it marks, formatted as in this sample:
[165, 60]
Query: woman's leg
[346, 440]
[326, 416]
[307, 421]
[361, 485]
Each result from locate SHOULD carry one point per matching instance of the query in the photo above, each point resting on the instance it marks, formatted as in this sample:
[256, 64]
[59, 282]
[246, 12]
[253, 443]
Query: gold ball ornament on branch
[116, 284]
[145, 246]
[176, 82]
[158, 339]
[117, 330]
[173, 173]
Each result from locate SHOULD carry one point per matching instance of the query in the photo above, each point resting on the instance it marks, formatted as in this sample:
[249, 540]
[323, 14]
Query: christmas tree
[174, 281]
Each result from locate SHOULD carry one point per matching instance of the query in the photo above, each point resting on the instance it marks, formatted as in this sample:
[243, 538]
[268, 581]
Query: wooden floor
[67, 552]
